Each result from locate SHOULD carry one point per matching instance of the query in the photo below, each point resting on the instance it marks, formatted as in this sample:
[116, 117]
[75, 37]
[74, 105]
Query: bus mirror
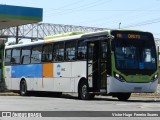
[110, 37]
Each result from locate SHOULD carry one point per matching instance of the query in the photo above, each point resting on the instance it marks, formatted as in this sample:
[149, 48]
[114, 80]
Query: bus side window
[8, 57]
[36, 54]
[16, 56]
[82, 49]
[70, 50]
[47, 53]
[25, 57]
[58, 52]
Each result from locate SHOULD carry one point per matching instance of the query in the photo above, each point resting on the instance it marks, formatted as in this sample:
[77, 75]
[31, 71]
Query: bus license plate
[137, 89]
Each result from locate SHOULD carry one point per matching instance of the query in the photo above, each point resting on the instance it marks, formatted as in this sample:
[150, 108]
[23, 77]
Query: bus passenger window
[25, 57]
[47, 53]
[81, 55]
[70, 50]
[36, 54]
[8, 57]
[58, 52]
[16, 56]
[81, 50]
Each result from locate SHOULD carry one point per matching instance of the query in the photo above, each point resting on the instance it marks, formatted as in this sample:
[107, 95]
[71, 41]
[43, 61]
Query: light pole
[119, 25]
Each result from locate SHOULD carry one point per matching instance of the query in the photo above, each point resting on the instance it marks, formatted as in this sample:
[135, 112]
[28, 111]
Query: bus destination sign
[128, 36]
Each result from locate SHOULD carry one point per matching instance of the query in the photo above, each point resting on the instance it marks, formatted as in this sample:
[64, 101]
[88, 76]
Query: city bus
[111, 62]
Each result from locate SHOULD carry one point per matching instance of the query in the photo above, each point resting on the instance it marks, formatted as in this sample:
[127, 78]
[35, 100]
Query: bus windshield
[135, 54]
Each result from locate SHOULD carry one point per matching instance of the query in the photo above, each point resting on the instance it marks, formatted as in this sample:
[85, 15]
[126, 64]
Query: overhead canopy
[11, 16]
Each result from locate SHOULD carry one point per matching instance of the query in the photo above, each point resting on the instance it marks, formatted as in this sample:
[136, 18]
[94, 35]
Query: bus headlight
[119, 77]
[154, 78]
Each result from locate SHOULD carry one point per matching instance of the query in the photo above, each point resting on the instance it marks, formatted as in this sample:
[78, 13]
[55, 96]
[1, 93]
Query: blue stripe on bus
[27, 71]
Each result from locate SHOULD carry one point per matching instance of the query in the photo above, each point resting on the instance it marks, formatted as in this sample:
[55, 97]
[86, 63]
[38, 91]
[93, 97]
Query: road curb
[146, 95]
[8, 94]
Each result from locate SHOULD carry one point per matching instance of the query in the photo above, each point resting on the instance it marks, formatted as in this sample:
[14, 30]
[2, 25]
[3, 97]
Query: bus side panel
[62, 77]
[8, 77]
[32, 72]
[47, 80]
[47, 84]
[15, 83]
[78, 71]
[62, 69]
[48, 70]
[27, 71]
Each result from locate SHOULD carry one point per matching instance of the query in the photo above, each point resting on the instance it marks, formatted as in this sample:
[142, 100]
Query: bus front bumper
[115, 86]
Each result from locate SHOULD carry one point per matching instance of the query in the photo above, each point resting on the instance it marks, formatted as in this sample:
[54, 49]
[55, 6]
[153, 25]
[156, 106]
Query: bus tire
[123, 96]
[83, 91]
[23, 88]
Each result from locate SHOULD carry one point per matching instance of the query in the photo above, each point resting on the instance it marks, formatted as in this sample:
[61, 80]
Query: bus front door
[97, 66]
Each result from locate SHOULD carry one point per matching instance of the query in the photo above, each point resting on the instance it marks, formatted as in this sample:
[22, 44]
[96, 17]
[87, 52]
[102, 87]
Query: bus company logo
[58, 69]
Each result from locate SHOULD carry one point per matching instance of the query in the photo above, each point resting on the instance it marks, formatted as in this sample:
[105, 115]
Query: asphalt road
[70, 103]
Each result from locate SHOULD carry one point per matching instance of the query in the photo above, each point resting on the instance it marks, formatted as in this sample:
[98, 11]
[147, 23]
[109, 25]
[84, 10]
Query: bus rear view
[134, 64]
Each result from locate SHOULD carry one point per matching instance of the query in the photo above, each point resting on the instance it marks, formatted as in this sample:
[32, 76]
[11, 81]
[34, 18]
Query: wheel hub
[84, 90]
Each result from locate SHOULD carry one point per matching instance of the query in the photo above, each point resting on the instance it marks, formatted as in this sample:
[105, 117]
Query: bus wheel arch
[23, 87]
[83, 93]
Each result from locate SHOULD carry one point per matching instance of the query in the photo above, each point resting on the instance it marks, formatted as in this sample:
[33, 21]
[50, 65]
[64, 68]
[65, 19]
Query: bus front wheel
[83, 91]
[123, 96]
[23, 88]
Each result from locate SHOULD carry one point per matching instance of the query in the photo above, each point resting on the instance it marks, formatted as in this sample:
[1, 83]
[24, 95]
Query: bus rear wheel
[123, 96]
[83, 93]
[23, 88]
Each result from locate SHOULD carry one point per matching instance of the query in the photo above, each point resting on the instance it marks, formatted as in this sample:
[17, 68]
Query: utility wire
[110, 19]
[65, 6]
[74, 8]
[148, 22]
[83, 7]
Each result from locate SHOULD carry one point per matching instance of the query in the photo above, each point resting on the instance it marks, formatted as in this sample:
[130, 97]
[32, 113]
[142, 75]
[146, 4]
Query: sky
[126, 14]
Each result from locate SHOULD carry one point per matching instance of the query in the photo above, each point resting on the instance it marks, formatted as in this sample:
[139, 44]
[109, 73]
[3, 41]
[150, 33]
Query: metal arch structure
[40, 30]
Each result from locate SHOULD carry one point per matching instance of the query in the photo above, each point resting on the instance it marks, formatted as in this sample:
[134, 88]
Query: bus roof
[63, 35]
[64, 38]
